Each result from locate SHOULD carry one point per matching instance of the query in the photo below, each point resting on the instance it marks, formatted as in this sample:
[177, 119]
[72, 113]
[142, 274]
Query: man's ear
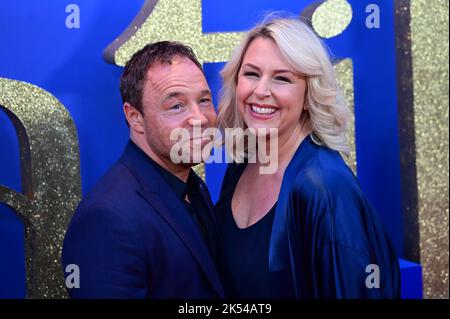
[134, 118]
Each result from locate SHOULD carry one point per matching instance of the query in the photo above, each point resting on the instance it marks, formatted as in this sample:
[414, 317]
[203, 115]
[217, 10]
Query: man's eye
[176, 107]
[205, 101]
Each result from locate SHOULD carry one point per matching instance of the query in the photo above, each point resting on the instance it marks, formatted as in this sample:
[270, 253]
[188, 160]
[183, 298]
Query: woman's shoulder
[233, 170]
[325, 189]
[230, 179]
[324, 170]
[232, 174]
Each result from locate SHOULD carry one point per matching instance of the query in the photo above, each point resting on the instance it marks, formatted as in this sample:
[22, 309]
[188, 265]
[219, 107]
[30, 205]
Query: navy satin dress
[326, 240]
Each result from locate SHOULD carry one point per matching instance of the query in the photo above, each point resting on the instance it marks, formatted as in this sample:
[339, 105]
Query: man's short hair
[134, 75]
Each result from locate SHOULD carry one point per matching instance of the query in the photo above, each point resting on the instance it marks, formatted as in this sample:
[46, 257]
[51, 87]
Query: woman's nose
[262, 89]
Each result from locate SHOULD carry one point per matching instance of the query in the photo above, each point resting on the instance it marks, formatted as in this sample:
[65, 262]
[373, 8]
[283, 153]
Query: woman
[306, 231]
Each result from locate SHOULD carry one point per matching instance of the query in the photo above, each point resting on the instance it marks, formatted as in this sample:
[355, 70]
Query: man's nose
[197, 117]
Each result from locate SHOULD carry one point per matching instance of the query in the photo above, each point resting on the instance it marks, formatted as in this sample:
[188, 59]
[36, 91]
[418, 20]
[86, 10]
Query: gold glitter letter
[51, 186]
[175, 20]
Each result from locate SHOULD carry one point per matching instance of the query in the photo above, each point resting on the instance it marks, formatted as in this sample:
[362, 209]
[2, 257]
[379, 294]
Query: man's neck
[180, 171]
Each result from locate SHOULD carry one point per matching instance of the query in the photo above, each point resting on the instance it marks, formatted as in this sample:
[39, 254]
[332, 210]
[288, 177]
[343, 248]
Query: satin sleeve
[338, 238]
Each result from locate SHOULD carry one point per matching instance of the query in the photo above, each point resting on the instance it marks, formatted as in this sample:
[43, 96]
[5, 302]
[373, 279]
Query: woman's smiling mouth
[262, 111]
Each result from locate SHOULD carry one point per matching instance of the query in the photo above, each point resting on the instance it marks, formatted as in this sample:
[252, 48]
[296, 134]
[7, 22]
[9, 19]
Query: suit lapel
[206, 198]
[164, 200]
[176, 215]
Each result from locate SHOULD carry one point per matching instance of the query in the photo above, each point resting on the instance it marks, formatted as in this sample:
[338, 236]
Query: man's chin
[191, 160]
[190, 164]
[190, 155]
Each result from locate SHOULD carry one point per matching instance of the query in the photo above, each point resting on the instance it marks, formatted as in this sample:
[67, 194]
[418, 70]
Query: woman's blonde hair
[307, 55]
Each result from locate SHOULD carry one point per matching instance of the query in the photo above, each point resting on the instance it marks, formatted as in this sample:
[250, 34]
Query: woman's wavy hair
[307, 55]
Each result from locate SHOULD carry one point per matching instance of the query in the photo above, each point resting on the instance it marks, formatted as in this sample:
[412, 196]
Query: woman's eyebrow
[275, 71]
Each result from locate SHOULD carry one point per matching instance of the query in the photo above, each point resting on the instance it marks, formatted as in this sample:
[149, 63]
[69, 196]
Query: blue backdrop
[37, 47]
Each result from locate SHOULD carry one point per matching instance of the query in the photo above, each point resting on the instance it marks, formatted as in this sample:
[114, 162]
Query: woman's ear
[134, 118]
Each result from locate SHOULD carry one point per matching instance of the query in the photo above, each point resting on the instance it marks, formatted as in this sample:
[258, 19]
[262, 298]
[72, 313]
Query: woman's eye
[251, 74]
[283, 79]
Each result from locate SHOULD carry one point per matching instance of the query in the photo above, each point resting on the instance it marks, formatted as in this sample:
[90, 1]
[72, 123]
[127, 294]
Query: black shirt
[244, 252]
[197, 206]
[246, 258]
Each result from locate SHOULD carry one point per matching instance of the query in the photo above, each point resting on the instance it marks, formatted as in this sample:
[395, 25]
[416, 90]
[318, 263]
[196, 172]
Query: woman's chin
[261, 129]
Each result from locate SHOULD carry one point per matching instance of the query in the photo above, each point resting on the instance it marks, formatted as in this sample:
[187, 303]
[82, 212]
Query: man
[147, 228]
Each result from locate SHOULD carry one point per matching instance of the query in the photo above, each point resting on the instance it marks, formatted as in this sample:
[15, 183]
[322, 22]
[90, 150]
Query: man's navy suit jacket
[132, 237]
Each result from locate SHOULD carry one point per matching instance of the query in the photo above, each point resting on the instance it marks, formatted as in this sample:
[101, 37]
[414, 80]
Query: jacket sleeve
[357, 261]
[106, 250]
[337, 236]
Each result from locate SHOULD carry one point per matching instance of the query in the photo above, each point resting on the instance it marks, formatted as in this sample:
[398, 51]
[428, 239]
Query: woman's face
[270, 94]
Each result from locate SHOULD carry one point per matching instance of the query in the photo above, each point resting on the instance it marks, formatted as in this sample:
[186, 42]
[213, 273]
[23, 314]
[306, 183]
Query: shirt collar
[179, 187]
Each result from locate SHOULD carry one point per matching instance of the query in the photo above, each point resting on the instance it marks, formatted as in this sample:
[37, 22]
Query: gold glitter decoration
[405, 115]
[429, 38]
[200, 171]
[344, 74]
[51, 185]
[175, 20]
[331, 18]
